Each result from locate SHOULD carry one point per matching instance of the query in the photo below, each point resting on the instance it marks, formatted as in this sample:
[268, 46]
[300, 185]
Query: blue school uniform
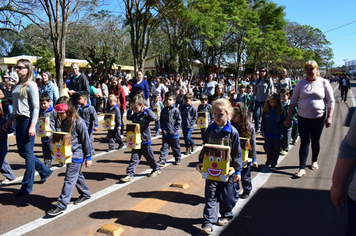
[144, 118]
[272, 125]
[115, 135]
[206, 108]
[90, 117]
[81, 151]
[171, 121]
[47, 146]
[189, 117]
[246, 170]
[222, 193]
[5, 168]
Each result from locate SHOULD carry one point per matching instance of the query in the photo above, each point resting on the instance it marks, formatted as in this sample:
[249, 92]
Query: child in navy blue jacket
[220, 197]
[271, 128]
[88, 113]
[47, 110]
[69, 121]
[143, 116]
[4, 148]
[170, 124]
[241, 121]
[205, 107]
[189, 118]
[115, 134]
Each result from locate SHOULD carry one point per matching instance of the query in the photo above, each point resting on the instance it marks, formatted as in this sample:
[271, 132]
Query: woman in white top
[159, 88]
[310, 95]
[284, 81]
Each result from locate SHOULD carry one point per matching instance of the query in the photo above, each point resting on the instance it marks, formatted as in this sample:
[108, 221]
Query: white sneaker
[6, 181]
[314, 166]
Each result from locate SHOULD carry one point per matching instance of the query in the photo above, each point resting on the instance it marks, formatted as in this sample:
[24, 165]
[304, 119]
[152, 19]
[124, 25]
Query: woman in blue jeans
[263, 87]
[25, 112]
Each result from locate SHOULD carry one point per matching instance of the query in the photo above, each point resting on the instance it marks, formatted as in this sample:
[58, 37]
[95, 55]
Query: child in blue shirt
[205, 107]
[171, 122]
[143, 116]
[271, 128]
[189, 117]
[4, 148]
[69, 121]
[47, 110]
[115, 134]
[221, 197]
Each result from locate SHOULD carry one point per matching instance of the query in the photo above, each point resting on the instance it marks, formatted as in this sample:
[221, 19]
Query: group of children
[231, 121]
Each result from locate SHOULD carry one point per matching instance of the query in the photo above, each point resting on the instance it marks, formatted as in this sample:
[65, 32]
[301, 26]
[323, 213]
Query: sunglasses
[20, 67]
[262, 71]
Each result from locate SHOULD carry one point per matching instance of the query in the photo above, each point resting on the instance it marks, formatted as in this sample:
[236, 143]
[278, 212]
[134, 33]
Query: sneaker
[177, 161]
[192, 148]
[300, 173]
[187, 151]
[223, 221]
[272, 168]
[161, 163]
[6, 181]
[244, 195]
[314, 166]
[121, 146]
[284, 153]
[127, 178]
[49, 165]
[60, 164]
[206, 230]
[110, 149]
[55, 211]
[293, 142]
[154, 173]
[81, 199]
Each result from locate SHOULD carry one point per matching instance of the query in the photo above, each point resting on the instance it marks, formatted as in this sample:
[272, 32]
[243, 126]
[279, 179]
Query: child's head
[188, 98]
[249, 88]
[182, 92]
[83, 100]
[112, 100]
[231, 94]
[64, 85]
[222, 111]
[242, 88]
[241, 116]
[273, 101]
[138, 103]
[204, 99]
[169, 99]
[66, 111]
[219, 89]
[284, 94]
[45, 101]
[155, 97]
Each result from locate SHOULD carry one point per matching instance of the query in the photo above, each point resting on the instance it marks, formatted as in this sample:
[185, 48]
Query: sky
[327, 15]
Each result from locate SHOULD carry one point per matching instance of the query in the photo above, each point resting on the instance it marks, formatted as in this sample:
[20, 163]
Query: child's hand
[96, 128]
[199, 167]
[237, 178]
[88, 163]
[119, 128]
[255, 164]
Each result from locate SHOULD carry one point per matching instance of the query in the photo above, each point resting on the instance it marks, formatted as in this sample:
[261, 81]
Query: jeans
[309, 130]
[157, 126]
[344, 90]
[8, 111]
[286, 135]
[188, 138]
[25, 145]
[122, 121]
[105, 99]
[258, 113]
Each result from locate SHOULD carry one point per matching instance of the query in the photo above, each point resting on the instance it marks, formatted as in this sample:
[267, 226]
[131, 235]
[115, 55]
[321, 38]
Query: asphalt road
[278, 205]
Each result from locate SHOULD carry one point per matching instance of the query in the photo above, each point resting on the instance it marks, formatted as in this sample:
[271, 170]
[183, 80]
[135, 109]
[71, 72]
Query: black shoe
[244, 195]
[192, 148]
[81, 199]
[20, 194]
[177, 162]
[161, 163]
[110, 149]
[121, 146]
[55, 211]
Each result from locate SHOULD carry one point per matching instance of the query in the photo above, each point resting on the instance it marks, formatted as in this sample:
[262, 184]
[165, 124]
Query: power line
[339, 27]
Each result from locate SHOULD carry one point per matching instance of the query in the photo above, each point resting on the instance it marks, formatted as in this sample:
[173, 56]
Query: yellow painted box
[62, 147]
[109, 121]
[202, 120]
[157, 111]
[133, 136]
[216, 162]
[44, 128]
[245, 148]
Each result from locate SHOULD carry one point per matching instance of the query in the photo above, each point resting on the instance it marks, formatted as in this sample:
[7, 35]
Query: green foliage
[45, 62]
